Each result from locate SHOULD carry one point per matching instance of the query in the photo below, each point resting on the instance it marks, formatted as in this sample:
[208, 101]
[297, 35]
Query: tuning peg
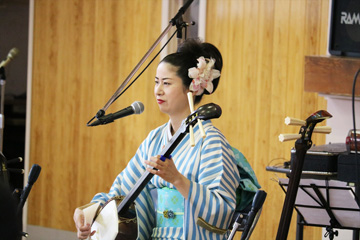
[14, 160]
[288, 137]
[294, 121]
[191, 104]
[191, 131]
[16, 170]
[202, 131]
[323, 129]
[299, 122]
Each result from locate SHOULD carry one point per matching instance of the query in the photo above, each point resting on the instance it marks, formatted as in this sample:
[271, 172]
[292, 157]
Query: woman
[196, 187]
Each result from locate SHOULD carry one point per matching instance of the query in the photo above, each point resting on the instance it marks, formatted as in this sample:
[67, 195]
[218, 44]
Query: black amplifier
[322, 158]
[344, 32]
[349, 167]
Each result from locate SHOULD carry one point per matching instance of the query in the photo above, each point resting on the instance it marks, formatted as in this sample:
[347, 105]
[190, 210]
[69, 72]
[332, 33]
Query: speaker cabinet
[349, 168]
[344, 34]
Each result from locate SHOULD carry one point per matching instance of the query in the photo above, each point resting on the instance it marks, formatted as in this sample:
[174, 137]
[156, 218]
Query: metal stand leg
[299, 228]
[356, 232]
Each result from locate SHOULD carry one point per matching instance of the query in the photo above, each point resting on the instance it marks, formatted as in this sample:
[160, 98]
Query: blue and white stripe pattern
[209, 165]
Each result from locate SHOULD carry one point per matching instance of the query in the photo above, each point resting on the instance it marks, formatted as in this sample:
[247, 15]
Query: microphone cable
[354, 125]
[136, 78]
[157, 54]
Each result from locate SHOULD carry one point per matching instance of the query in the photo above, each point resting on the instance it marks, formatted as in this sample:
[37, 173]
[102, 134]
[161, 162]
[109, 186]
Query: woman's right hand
[83, 230]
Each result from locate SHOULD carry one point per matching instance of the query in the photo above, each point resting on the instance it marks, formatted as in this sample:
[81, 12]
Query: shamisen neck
[176, 121]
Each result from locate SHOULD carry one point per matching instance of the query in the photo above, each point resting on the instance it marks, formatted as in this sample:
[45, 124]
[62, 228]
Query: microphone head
[13, 52]
[138, 107]
[34, 174]
[259, 199]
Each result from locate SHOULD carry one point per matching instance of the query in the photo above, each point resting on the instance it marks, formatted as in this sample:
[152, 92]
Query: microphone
[135, 108]
[13, 52]
[33, 176]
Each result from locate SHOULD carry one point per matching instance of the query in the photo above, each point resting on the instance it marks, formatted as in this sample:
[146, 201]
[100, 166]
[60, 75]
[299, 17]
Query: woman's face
[170, 92]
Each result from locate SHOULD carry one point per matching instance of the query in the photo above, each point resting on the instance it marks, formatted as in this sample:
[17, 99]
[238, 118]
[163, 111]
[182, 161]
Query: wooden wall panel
[84, 49]
[264, 44]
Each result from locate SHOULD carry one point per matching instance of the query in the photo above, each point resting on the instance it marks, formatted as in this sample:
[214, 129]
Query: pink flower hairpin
[203, 75]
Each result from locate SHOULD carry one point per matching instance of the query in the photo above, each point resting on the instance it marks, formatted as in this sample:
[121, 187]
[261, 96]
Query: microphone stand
[4, 171]
[176, 20]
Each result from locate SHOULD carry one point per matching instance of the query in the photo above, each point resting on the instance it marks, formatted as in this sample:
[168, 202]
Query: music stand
[326, 203]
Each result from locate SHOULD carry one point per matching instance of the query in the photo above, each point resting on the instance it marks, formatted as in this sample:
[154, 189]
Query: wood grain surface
[84, 49]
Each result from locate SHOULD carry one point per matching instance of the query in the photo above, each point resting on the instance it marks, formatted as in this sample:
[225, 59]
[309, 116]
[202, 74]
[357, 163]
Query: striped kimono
[211, 169]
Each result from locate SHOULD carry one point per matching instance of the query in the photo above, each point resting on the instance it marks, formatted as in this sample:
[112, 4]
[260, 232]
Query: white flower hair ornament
[203, 75]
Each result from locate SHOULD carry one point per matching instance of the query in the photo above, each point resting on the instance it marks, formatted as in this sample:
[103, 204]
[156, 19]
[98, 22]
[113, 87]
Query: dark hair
[186, 57]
